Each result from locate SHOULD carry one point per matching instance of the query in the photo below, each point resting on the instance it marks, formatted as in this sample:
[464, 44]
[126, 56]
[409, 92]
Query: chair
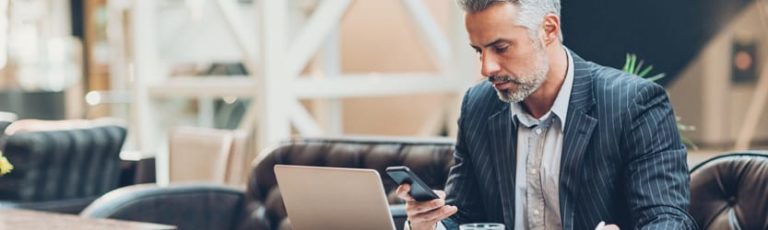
[731, 191]
[60, 169]
[262, 205]
[207, 155]
[186, 206]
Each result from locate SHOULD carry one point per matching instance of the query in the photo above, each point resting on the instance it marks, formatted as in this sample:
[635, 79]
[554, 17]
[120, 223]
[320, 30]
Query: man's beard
[525, 84]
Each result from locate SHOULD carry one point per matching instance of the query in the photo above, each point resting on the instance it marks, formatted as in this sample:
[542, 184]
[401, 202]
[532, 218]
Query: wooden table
[25, 219]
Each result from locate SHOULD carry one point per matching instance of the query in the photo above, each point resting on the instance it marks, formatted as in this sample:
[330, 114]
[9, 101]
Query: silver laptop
[333, 198]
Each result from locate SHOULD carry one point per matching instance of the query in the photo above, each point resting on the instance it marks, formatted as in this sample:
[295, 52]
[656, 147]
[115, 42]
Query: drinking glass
[482, 226]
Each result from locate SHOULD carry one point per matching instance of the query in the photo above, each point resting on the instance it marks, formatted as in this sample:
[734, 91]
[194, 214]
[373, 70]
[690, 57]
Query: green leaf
[689, 143]
[646, 71]
[626, 63]
[657, 77]
[639, 68]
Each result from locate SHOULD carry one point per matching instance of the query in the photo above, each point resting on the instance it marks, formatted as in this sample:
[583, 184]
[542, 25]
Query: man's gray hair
[531, 12]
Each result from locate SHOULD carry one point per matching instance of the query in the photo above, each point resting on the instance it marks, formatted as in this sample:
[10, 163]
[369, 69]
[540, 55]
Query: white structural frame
[275, 83]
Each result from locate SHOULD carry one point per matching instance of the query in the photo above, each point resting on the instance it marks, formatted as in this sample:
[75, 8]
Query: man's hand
[602, 226]
[426, 214]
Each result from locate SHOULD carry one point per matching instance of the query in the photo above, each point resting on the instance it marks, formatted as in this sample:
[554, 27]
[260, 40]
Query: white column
[206, 112]
[118, 59]
[145, 114]
[333, 108]
[273, 124]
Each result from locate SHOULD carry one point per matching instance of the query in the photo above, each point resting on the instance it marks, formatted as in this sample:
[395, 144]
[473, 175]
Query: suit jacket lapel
[503, 132]
[578, 131]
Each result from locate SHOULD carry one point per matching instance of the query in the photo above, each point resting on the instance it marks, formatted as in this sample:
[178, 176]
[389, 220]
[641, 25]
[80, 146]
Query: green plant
[634, 66]
[5, 165]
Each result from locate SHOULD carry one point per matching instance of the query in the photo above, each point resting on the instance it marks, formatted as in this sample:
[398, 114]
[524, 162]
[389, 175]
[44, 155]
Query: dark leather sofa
[727, 192]
[730, 191]
[61, 170]
[260, 206]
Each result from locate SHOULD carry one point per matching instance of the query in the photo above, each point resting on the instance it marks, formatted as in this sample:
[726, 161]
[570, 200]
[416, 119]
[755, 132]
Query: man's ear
[551, 29]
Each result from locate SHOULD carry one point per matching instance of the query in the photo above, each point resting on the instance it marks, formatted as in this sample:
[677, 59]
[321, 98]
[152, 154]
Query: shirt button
[536, 212]
[538, 131]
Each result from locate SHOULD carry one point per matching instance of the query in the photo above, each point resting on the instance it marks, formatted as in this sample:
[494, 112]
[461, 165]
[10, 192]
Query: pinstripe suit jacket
[622, 160]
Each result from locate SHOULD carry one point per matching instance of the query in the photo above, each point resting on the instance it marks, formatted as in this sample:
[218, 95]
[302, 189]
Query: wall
[703, 94]
[378, 36]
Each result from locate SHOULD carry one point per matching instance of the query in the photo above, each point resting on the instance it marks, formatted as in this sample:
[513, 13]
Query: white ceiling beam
[372, 85]
[205, 87]
[323, 21]
[303, 121]
[228, 9]
[431, 36]
[347, 85]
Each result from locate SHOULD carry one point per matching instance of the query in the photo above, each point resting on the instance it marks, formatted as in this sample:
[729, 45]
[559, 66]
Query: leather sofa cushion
[731, 190]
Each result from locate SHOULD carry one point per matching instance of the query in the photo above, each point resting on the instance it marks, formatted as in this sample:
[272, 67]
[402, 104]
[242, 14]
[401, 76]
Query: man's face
[515, 63]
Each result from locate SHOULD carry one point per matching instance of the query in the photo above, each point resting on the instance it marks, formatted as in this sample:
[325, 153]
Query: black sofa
[61, 170]
[727, 192]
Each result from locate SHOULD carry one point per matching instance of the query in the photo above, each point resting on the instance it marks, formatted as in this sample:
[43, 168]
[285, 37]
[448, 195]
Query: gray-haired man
[552, 141]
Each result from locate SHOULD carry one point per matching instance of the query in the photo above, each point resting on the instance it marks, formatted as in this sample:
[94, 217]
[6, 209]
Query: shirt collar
[559, 108]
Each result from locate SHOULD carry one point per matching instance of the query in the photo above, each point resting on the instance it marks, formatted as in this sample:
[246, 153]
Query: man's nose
[489, 66]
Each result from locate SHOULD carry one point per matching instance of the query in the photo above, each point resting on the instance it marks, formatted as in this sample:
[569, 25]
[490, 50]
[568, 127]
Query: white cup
[482, 226]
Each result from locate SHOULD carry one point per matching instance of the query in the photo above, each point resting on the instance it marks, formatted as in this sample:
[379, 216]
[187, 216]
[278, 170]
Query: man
[552, 141]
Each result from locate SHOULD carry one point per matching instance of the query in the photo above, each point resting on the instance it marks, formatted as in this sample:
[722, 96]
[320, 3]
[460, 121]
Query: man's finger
[435, 215]
[417, 207]
[402, 192]
[440, 193]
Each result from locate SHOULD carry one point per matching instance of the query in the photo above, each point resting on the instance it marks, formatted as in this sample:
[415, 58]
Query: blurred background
[332, 68]
[309, 67]
[202, 88]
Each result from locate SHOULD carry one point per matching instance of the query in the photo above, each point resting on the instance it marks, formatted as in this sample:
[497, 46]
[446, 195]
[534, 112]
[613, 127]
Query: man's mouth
[502, 85]
[499, 79]
[501, 82]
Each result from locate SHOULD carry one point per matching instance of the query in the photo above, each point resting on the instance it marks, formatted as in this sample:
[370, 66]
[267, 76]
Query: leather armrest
[187, 206]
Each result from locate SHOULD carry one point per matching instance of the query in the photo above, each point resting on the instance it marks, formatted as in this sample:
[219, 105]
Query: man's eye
[479, 53]
[500, 49]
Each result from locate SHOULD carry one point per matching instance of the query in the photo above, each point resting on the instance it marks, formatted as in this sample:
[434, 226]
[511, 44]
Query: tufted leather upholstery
[430, 159]
[186, 206]
[731, 191]
[262, 205]
[61, 170]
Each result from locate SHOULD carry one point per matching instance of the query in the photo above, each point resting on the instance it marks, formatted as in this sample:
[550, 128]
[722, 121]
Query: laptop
[333, 198]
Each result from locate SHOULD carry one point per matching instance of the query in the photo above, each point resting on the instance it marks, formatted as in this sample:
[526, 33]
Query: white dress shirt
[532, 130]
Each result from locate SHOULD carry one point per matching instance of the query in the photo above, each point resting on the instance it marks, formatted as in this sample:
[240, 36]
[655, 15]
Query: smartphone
[419, 190]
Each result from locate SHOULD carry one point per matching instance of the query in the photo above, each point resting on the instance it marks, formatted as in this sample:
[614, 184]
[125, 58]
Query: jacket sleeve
[656, 169]
[462, 188]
